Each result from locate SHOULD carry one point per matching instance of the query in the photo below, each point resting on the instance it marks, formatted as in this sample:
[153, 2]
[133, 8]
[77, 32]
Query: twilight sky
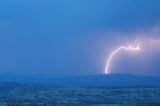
[75, 37]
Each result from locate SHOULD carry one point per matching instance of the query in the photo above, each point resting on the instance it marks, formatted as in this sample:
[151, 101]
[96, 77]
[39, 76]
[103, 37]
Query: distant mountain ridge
[98, 80]
[103, 80]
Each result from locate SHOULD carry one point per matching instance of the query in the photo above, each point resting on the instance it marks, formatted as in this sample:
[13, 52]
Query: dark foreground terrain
[15, 94]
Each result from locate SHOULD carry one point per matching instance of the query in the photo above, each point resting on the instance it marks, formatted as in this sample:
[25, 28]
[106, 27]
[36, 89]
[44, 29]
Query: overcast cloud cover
[74, 37]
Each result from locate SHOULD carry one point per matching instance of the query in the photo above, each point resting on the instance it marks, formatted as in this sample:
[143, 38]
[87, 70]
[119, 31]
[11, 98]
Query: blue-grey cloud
[68, 37]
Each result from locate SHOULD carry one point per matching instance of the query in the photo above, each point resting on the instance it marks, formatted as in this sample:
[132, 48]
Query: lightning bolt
[128, 48]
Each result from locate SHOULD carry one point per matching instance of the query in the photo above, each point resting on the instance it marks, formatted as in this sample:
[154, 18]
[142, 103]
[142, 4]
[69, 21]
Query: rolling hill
[98, 80]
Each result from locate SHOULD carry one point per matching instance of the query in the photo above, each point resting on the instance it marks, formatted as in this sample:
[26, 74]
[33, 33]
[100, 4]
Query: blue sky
[72, 37]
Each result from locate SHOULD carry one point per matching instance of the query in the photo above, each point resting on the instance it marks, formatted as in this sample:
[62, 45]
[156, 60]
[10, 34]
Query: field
[14, 94]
